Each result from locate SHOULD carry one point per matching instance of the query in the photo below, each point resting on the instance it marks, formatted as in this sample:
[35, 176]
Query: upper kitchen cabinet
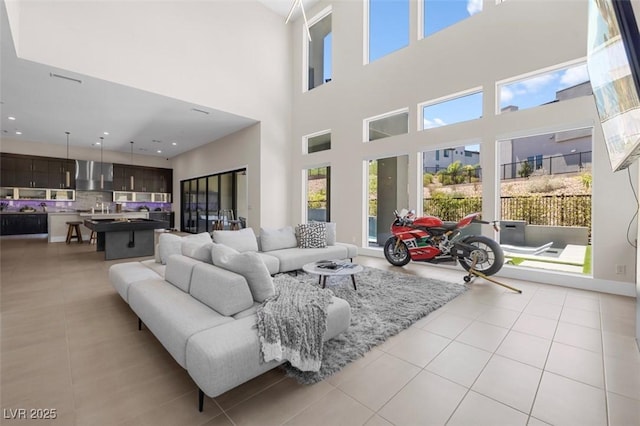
[58, 168]
[145, 179]
[26, 171]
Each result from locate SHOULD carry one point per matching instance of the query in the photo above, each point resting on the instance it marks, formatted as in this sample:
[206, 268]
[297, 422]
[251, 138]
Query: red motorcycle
[429, 239]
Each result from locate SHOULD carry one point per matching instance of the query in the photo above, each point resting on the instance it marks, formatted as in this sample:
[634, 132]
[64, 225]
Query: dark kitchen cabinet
[122, 178]
[23, 223]
[165, 216]
[166, 180]
[146, 179]
[26, 171]
[17, 170]
[57, 173]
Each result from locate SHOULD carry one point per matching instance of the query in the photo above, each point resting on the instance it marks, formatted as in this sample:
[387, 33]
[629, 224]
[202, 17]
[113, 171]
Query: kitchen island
[57, 223]
[121, 238]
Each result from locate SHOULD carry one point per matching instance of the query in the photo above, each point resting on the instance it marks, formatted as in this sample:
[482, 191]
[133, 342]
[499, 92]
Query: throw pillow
[331, 232]
[252, 268]
[220, 250]
[197, 250]
[168, 244]
[312, 235]
[276, 239]
[241, 240]
[203, 237]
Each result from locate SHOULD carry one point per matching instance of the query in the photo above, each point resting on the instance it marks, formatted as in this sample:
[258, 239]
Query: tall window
[386, 125]
[319, 194]
[545, 200]
[387, 191]
[319, 51]
[388, 27]
[455, 109]
[439, 14]
[544, 88]
[452, 184]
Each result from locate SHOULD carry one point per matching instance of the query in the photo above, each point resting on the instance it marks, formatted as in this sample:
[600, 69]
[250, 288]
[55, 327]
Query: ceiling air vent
[200, 111]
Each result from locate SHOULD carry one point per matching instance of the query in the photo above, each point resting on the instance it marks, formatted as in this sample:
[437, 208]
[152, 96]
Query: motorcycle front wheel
[489, 256]
[397, 256]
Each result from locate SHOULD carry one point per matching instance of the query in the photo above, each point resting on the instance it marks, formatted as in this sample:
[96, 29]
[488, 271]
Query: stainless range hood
[88, 175]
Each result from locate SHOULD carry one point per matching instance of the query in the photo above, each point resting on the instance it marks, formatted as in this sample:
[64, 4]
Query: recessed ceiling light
[174, 143]
[11, 118]
[97, 143]
[18, 132]
[159, 151]
[106, 133]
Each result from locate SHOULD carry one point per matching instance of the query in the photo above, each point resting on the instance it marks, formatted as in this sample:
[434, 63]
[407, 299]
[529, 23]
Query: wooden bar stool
[93, 238]
[73, 232]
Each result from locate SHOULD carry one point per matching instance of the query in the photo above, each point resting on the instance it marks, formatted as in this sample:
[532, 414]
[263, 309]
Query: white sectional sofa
[201, 305]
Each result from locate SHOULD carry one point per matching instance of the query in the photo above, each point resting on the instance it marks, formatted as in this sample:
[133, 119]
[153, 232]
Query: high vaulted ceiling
[46, 102]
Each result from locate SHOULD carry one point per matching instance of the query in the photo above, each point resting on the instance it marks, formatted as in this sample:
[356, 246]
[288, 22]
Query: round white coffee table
[343, 268]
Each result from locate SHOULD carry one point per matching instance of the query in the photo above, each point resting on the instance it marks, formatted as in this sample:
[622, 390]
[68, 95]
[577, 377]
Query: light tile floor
[551, 355]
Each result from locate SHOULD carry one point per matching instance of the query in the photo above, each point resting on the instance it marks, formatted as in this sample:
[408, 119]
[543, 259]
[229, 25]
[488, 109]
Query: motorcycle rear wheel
[490, 256]
[399, 256]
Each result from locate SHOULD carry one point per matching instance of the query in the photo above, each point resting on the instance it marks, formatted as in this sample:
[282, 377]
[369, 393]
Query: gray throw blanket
[291, 323]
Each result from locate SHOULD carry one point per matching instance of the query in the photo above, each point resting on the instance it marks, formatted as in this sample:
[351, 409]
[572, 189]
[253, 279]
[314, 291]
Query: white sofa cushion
[172, 315]
[197, 250]
[221, 290]
[220, 250]
[169, 244]
[178, 271]
[276, 239]
[123, 275]
[241, 240]
[294, 258]
[250, 266]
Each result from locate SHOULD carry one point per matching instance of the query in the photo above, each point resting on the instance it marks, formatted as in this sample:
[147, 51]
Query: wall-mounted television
[613, 61]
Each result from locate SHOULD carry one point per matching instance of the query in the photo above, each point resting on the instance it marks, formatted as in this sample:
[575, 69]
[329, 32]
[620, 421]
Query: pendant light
[101, 172]
[131, 178]
[67, 175]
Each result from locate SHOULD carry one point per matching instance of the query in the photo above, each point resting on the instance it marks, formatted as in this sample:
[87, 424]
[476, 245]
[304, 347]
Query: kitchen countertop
[18, 212]
[82, 213]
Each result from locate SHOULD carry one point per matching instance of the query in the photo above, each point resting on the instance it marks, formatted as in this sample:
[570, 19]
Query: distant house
[433, 161]
[559, 152]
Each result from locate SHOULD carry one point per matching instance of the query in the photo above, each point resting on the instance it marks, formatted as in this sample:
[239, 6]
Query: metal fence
[550, 210]
[554, 165]
[557, 164]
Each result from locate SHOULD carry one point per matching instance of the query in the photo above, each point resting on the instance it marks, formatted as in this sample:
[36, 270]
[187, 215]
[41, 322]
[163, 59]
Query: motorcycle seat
[448, 226]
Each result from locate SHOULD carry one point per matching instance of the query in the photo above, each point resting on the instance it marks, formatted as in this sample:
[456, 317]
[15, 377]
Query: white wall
[228, 55]
[236, 151]
[503, 41]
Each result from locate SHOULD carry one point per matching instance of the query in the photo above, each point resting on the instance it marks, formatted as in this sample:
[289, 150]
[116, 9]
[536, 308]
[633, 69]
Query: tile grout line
[535, 396]
[469, 389]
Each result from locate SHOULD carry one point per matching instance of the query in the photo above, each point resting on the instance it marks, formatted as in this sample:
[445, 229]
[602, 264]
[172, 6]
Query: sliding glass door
[211, 202]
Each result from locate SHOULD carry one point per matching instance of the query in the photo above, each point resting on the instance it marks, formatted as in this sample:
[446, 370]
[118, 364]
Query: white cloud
[505, 95]
[537, 83]
[430, 124]
[474, 6]
[575, 75]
